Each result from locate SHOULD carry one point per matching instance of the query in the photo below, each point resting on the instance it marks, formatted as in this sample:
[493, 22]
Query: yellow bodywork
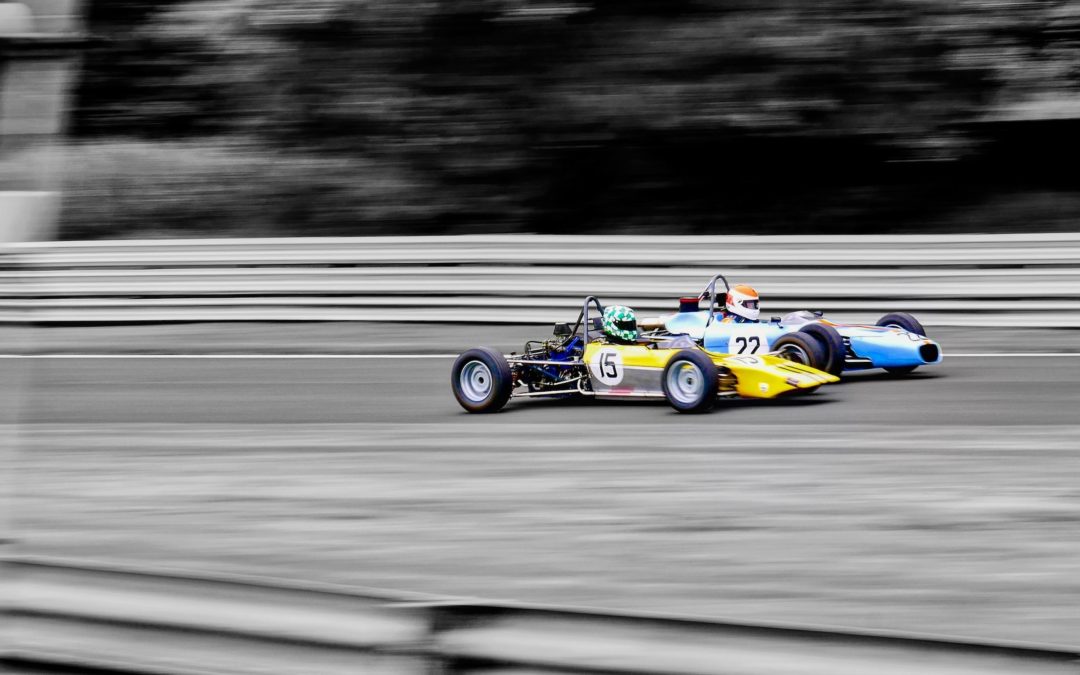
[768, 376]
[637, 370]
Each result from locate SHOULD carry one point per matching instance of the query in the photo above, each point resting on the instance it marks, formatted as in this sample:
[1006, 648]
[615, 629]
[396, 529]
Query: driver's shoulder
[733, 320]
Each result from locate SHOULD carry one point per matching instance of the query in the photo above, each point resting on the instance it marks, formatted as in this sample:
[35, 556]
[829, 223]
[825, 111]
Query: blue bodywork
[867, 346]
[570, 352]
[886, 347]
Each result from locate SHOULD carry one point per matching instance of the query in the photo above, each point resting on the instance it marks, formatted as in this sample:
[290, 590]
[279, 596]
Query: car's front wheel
[690, 382]
[904, 321]
[481, 380]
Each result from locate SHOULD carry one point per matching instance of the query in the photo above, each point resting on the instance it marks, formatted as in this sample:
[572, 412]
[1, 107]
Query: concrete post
[39, 48]
[38, 61]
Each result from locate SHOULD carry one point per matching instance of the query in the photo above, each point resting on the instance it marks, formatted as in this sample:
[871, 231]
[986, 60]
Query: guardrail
[945, 279]
[70, 616]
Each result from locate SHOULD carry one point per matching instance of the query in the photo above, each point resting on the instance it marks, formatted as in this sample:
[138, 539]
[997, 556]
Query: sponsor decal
[748, 360]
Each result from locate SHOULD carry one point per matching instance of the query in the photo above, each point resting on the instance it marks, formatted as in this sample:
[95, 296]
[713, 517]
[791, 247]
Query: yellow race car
[581, 360]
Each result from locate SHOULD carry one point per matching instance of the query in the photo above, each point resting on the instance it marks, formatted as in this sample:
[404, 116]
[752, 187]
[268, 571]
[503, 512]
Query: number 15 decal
[607, 366]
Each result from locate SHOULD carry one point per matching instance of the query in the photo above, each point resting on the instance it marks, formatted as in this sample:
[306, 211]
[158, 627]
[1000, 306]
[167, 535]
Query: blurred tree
[558, 115]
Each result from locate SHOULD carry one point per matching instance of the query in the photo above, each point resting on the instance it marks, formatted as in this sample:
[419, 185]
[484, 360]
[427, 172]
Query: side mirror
[562, 330]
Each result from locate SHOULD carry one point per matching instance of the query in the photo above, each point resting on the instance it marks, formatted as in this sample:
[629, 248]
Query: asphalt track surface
[974, 391]
[944, 501]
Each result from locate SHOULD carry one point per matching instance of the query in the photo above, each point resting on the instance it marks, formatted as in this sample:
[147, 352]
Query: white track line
[1011, 354]
[425, 356]
[228, 356]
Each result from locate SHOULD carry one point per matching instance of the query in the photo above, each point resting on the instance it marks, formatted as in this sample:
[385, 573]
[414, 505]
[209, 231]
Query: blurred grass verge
[134, 188]
[128, 188]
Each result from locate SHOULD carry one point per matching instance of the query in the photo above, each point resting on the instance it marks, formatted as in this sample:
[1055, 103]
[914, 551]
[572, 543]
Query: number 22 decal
[743, 344]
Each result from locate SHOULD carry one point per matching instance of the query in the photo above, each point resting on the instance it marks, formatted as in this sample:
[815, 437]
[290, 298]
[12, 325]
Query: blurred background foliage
[316, 117]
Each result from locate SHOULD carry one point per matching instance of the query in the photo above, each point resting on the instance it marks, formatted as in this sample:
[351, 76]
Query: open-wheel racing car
[581, 360]
[897, 342]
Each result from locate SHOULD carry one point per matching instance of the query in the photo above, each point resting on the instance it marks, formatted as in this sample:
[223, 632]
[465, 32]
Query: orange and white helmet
[743, 301]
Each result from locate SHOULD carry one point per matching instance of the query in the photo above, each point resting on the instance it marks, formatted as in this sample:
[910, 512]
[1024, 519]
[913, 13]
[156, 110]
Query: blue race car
[897, 343]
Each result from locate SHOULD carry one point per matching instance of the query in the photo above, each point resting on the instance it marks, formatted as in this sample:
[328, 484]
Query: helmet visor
[626, 325]
[750, 304]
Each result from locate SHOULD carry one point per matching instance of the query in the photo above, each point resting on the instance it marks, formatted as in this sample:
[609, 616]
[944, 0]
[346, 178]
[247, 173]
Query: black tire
[908, 323]
[690, 382]
[832, 343]
[802, 348]
[902, 320]
[481, 380]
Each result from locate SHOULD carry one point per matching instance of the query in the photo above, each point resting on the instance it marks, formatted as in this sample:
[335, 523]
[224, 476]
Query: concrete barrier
[64, 615]
[125, 620]
[980, 280]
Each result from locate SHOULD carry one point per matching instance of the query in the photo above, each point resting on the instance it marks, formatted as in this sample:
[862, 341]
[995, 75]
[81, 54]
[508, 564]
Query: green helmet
[620, 323]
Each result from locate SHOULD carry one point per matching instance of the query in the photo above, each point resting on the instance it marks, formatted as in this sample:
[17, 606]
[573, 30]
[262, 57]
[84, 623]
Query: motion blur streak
[868, 504]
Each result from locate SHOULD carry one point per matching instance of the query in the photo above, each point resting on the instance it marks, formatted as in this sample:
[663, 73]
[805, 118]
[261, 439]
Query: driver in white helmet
[742, 305]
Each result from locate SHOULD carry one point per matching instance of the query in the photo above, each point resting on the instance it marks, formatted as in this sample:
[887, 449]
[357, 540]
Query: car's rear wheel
[904, 321]
[802, 348]
[690, 382]
[481, 380]
[831, 343]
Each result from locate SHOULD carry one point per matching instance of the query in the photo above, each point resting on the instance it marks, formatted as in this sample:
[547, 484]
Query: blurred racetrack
[945, 501]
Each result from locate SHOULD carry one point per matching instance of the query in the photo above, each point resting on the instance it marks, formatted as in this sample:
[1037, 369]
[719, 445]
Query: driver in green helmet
[620, 324]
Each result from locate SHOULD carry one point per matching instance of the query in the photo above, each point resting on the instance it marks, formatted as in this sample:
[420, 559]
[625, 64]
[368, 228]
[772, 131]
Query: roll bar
[710, 293]
[583, 316]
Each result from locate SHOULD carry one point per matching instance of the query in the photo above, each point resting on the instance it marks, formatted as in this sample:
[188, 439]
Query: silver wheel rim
[685, 382]
[475, 381]
[794, 353]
